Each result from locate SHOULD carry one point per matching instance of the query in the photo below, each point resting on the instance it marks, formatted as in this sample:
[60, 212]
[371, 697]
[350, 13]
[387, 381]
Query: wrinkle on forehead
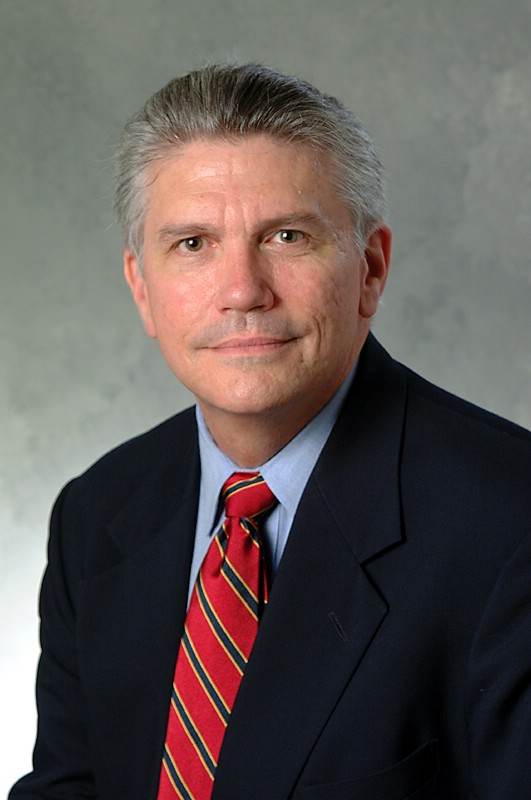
[234, 155]
[243, 183]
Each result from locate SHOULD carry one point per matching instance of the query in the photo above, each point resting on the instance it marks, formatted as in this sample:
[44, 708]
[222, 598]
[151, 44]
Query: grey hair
[233, 101]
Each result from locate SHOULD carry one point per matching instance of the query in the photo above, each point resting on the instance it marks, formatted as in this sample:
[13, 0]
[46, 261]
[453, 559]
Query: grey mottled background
[446, 89]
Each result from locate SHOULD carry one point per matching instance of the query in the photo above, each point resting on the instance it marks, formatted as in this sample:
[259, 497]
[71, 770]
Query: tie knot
[246, 495]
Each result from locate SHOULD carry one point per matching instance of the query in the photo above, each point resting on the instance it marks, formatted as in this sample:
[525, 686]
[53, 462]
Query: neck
[251, 440]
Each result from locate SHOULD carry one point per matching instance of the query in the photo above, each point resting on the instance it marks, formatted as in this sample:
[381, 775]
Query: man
[389, 567]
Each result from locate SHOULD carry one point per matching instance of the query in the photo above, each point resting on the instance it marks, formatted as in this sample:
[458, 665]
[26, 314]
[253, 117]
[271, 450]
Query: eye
[192, 244]
[288, 236]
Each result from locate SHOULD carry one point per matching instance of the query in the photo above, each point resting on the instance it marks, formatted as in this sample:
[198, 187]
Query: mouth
[250, 345]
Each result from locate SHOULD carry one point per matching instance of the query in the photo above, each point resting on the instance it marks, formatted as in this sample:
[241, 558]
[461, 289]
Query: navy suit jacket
[394, 658]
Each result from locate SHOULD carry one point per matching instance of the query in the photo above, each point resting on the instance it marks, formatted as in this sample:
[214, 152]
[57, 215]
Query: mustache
[250, 326]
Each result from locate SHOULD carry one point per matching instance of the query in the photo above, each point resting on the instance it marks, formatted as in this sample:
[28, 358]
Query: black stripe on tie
[243, 484]
[174, 775]
[235, 654]
[207, 684]
[194, 734]
[240, 588]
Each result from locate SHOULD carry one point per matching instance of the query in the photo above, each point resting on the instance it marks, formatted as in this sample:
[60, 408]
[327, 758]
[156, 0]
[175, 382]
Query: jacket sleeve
[61, 758]
[500, 687]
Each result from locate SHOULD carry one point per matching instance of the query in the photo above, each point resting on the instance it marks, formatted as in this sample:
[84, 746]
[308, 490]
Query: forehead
[241, 152]
[257, 171]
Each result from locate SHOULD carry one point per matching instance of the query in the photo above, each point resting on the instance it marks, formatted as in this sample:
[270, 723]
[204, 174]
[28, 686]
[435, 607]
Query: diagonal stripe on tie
[237, 583]
[208, 685]
[180, 788]
[228, 600]
[219, 630]
[193, 734]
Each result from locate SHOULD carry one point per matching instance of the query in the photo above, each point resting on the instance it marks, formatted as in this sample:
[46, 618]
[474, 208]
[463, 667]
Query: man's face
[252, 282]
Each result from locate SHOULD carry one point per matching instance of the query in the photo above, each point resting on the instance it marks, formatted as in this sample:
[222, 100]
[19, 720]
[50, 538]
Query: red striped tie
[222, 622]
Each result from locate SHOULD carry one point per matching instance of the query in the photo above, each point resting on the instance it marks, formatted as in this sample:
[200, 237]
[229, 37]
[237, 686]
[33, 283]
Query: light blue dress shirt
[286, 474]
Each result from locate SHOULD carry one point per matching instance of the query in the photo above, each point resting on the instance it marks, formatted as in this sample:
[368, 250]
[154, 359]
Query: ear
[137, 283]
[376, 258]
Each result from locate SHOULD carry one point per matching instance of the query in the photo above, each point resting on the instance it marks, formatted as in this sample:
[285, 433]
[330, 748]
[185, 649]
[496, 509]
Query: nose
[243, 280]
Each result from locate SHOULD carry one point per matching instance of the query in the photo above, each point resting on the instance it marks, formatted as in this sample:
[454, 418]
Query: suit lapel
[323, 611]
[130, 622]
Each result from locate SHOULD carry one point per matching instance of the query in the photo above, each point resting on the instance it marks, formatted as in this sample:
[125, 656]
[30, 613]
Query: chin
[255, 401]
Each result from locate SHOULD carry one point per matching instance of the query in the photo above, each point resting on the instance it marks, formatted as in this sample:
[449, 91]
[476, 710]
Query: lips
[248, 343]
[254, 346]
[244, 336]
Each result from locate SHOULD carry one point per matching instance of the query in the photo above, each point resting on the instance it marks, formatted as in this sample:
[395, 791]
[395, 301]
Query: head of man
[255, 246]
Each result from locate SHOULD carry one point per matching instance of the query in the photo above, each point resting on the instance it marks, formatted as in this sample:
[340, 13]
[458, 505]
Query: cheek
[177, 307]
[332, 302]
[346, 292]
